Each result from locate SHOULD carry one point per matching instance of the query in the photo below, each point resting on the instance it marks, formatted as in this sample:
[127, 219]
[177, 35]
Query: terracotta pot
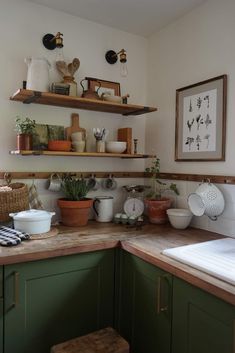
[74, 213]
[24, 142]
[156, 210]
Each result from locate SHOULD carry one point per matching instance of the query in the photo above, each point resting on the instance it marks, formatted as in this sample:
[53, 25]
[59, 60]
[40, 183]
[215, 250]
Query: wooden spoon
[75, 64]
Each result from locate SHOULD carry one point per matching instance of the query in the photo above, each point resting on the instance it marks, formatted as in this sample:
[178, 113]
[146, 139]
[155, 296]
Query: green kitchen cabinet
[50, 301]
[144, 305]
[1, 309]
[202, 323]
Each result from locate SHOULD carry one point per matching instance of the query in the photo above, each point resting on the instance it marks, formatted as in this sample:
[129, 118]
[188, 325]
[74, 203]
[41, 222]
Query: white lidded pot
[32, 221]
[207, 200]
[38, 74]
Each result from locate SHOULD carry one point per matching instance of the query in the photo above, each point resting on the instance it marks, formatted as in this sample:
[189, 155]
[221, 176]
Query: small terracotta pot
[24, 142]
[74, 213]
[156, 210]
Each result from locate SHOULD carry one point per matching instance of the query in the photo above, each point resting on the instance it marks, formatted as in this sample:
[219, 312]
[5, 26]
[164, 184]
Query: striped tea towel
[11, 237]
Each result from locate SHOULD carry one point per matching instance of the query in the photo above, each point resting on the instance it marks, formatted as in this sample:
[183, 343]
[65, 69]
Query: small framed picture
[105, 86]
[200, 128]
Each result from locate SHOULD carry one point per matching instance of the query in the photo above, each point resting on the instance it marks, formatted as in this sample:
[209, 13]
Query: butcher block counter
[146, 243]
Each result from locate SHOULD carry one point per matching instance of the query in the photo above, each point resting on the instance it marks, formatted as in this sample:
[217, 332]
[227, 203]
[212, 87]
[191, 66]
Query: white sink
[216, 257]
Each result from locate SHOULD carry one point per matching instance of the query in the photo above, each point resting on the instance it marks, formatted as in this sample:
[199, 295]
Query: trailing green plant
[159, 187]
[24, 125]
[75, 189]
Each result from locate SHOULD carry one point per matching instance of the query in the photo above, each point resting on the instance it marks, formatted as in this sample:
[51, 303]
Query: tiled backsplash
[224, 225]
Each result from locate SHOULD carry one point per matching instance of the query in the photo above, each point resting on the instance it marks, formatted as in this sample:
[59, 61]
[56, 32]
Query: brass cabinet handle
[16, 295]
[160, 308]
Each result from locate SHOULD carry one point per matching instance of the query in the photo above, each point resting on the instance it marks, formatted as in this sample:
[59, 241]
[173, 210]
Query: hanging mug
[54, 183]
[109, 183]
[93, 183]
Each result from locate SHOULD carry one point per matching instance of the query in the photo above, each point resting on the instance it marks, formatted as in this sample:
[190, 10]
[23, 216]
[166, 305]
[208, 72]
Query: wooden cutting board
[74, 127]
[125, 135]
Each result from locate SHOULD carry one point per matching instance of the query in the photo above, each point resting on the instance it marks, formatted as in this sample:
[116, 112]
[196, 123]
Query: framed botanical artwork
[200, 128]
[105, 86]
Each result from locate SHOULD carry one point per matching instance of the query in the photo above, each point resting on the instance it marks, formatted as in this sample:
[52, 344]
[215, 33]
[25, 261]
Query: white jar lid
[32, 215]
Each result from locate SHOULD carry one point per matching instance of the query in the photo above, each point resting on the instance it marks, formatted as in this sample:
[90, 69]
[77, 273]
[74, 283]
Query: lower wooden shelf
[77, 154]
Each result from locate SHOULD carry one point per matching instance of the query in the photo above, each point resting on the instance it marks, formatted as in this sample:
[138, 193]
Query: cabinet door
[47, 302]
[145, 306]
[201, 322]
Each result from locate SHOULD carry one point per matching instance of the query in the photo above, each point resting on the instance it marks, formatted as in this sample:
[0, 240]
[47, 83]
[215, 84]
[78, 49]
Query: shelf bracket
[138, 112]
[36, 95]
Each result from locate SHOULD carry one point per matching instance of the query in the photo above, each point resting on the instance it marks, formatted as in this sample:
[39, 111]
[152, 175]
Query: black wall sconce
[111, 57]
[51, 42]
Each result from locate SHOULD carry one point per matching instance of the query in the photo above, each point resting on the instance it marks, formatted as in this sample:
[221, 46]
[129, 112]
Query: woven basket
[13, 201]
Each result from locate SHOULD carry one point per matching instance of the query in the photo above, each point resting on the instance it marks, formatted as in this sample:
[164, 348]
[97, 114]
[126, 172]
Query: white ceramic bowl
[114, 99]
[179, 218]
[115, 146]
[32, 221]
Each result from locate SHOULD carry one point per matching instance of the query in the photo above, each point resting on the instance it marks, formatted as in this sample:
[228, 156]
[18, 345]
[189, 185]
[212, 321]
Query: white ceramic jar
[103, 207]
[38, 74]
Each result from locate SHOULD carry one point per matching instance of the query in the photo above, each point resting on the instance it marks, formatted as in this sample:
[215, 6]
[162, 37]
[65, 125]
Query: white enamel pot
[32, 221]
[206, 200]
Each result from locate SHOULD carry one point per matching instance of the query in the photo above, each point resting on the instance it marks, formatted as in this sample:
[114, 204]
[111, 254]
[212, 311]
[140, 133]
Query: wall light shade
[111, 57]
[51, 41]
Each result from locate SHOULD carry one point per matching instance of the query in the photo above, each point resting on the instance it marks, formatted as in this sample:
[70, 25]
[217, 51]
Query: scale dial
[134, 207]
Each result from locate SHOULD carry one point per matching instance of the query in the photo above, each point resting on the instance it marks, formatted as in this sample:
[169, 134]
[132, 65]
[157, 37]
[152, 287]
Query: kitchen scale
[134, 204]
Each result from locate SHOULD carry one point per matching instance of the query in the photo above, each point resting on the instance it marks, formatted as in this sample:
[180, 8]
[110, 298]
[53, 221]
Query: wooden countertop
[147, 243]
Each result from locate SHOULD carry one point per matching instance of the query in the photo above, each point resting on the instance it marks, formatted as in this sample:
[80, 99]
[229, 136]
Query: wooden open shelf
[77, 154]
[28, 96]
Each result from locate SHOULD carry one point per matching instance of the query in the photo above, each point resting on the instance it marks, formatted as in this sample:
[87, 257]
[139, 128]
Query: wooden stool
[106, 340]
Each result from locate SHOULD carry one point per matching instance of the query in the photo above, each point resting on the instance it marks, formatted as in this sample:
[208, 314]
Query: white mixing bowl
[115, 146]
[179, 218]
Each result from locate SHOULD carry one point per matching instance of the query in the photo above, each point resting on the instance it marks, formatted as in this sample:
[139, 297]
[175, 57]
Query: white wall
[197, 47]
[22, 26]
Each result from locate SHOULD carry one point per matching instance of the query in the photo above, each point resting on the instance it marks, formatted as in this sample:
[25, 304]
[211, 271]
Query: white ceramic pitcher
[103, 207]
[38, 74]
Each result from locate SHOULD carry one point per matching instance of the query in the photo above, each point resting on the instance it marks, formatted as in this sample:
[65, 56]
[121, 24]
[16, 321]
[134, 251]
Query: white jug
[103, 207]
[38, 74]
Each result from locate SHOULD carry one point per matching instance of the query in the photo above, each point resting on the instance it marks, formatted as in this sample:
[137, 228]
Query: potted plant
[156, 204]
[75, 206]
[24, 128]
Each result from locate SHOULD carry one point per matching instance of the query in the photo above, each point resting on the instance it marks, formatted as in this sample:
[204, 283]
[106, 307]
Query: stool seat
[106, 340]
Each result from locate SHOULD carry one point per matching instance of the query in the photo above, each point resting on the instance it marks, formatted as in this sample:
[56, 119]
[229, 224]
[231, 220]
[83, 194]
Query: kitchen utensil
[115, 146]
[100, 133]
[62, 68]
[109, 183]
[134, 207]
[179, 218]
[206, 200]
[74, 127]
[54, 182]
[75, 65]
[38, 74]
[125, 135]
[32, 221]
[59, 145]
[103, 207]
[93, 183]
[89, 93]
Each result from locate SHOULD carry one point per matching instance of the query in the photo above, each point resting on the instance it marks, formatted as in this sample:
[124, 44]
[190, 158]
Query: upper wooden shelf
[28, 96]
[77, 154]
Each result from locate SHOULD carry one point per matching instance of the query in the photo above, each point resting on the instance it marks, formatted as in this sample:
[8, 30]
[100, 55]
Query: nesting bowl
[59, 145]
[115, 146]
[179, 218]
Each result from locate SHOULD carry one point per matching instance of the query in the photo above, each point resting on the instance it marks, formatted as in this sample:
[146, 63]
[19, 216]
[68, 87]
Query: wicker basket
[13, 201]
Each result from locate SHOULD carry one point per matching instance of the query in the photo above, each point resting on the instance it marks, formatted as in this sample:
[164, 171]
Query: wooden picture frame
[106, 86]
[200, 128]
